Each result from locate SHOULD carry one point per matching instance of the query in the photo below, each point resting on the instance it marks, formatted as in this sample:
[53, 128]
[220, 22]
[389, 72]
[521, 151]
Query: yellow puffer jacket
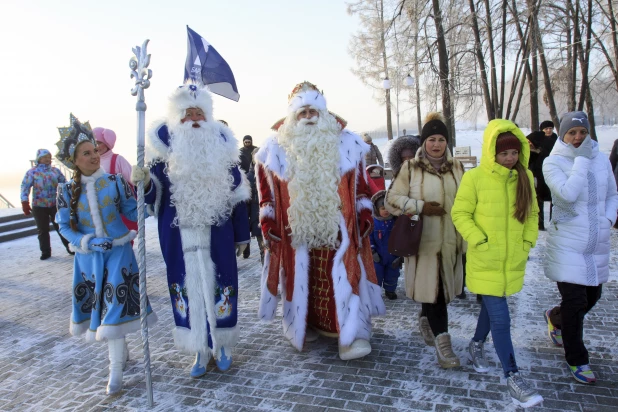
[498, 244]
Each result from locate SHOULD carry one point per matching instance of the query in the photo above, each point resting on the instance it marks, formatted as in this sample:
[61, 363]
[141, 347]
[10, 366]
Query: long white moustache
[306, 121]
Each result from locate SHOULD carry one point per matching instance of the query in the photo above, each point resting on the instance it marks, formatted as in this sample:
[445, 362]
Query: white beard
[314, 177]
[198, 169]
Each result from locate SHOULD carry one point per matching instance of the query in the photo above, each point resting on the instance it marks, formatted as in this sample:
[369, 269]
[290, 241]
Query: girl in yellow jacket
[496, 212]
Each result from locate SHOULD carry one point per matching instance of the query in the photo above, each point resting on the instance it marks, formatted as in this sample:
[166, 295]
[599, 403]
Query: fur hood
[398, 145]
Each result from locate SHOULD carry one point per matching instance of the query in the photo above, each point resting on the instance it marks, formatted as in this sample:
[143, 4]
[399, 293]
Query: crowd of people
[315, 198]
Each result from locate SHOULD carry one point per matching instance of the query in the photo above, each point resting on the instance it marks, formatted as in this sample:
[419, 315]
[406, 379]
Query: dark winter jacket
[373, 156]
[545, 145]
[245, 158]
[254, 204]
[613, 159]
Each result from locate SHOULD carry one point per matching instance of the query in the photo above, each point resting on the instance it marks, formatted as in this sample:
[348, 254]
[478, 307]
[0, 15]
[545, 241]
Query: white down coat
[584, 200]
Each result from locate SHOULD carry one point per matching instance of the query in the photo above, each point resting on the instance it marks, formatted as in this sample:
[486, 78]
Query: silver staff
[139, 70]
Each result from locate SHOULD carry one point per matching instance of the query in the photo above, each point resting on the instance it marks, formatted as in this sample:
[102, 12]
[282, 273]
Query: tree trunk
[571, 60]
[503, 59]
[534, 79]
[612, 25]
[492, 59]
[389, 125]
[444, 76]
[489, 107]
[551, 104]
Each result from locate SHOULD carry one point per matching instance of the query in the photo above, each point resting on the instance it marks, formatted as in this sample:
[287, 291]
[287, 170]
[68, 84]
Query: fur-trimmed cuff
[224, 337]
[83, 245]
[242, 192]
[363, 203]
[267, 211]
[125, 239]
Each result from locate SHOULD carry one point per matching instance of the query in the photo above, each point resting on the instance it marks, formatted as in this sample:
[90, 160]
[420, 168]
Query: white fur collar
[158, 145]
[352, 150]
[93, 177]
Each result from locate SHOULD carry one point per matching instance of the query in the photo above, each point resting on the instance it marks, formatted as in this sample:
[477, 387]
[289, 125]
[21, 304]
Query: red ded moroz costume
[331, 288]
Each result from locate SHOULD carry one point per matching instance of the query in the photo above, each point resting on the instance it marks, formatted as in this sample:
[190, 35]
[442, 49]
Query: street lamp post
[386, 84]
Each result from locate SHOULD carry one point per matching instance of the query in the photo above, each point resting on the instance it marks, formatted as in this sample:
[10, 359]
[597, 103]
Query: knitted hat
[571, 120]
[507, 141]
[367, 138]
[40, 153]
[434, 124]
[247, 137]
[545, 124]
[106, 136]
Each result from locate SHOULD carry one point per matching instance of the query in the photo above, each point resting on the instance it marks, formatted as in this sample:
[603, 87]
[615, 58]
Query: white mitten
[140, 174]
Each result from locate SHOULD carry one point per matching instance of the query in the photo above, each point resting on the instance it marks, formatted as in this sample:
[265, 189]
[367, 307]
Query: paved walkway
[43, 368]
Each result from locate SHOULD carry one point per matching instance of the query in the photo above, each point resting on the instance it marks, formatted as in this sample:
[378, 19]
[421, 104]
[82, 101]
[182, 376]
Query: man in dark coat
[541, 144]
[245, 153]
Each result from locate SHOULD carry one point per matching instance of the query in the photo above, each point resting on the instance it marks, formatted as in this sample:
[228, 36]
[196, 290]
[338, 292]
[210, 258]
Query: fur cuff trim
[153, 210]
[224, 337]
[363, 203]
[125, 239]
[155, 147]
[83, 247]
[107, 332]
[268, 301]
[267, 211]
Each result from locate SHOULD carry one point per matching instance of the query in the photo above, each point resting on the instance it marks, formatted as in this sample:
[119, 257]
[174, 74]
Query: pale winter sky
[72, 56]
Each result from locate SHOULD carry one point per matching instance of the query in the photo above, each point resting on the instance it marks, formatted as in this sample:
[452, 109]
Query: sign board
[461, 151]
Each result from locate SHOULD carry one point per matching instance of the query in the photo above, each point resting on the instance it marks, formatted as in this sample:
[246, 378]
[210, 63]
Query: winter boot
[311, 335]
[223, 358]
[199, 366]
[425, 328]
[521, 393]
[476, 354]
[116, 361]
[358, 349]
[391, 295]
[446, 357]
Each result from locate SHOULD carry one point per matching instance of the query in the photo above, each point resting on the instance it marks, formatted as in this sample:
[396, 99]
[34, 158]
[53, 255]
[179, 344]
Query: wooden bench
[468, 161]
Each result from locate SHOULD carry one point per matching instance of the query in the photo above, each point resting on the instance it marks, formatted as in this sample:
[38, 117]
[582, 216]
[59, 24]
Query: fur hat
[192, 94]
[40, 153]
[571, 120]
[399, 145]
[106, 136]
[546, 123]
[306, 94]
[434, 124]
[507, 142]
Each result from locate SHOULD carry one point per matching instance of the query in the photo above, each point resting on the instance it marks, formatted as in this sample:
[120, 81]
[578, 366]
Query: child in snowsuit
[387, 266]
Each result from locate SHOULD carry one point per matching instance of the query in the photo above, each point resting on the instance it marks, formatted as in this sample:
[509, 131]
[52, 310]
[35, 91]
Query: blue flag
[205, 64]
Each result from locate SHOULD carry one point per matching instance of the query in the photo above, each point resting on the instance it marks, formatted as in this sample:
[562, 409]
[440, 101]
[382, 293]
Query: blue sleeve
[26, 184]
[372, 238]
[128, 204]
[156, 172]
[63, 216]
[61, 178]
[240, 222]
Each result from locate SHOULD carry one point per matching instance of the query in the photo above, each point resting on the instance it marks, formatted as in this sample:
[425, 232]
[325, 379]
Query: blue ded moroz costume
[198, 194]
[105, 274]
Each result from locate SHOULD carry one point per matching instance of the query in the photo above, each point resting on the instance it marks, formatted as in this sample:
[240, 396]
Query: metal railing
[4, 203]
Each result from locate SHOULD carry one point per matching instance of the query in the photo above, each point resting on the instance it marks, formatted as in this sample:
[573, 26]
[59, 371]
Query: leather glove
[240, 248]
[100, 244]
[397, 263]
[139, 174]
[25, 206]
[270, 230]
[376, 257]
[433, 209]
[585, 149]
[365, 222]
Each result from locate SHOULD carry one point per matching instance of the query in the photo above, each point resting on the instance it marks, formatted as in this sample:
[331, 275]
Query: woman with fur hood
[585, 201]
[403, 148]
[427, 185]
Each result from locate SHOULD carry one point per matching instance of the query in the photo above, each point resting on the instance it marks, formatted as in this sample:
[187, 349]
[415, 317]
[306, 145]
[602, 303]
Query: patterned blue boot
[224, 361]
[199, 366]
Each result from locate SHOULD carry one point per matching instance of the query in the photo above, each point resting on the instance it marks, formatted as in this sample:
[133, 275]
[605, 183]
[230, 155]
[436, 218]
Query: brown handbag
[405, 237]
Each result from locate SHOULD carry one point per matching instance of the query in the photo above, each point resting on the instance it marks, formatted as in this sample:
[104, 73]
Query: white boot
[126, 355]
[358, 349]
[116, 361]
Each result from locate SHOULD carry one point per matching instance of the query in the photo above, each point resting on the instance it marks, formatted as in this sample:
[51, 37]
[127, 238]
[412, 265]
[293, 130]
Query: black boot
[247, 252]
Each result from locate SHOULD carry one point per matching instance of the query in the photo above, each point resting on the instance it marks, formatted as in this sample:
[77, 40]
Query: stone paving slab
[43, 368]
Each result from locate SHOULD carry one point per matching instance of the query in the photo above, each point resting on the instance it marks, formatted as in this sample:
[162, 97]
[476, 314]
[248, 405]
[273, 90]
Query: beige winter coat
[441, 245]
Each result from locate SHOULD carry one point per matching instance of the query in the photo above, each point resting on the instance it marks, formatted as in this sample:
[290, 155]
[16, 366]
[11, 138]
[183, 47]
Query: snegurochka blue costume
[105, 274]
[198, 194]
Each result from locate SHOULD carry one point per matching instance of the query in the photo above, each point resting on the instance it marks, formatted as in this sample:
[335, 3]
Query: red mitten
[365, 222]
[25, 206]
[270, 230]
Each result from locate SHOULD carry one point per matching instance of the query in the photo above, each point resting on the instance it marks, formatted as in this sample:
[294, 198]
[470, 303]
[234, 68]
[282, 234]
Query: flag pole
[139, 70]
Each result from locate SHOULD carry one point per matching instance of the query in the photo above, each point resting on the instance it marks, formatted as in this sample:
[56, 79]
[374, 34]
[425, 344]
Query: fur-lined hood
[398, 145]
